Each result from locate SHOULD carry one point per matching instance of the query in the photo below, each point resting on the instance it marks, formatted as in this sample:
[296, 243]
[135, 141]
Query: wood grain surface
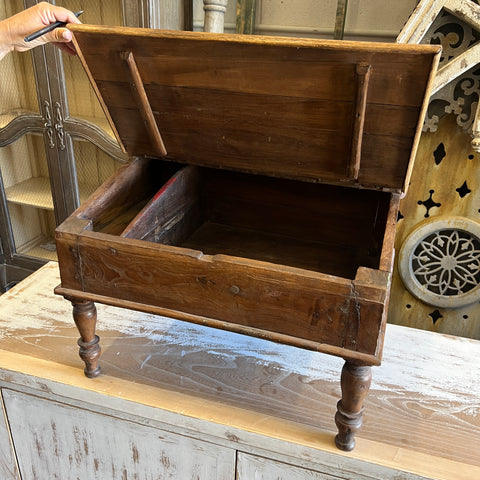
[424, 397]
[269, 105]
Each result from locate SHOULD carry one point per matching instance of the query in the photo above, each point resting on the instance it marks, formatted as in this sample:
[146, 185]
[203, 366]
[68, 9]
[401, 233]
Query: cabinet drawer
[250, 467]
[55, 441]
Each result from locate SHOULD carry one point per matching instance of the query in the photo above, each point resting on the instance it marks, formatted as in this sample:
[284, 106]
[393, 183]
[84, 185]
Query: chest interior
[323, 228]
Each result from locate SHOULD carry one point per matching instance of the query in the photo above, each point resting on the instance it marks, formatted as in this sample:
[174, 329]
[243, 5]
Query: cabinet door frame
[58, 129]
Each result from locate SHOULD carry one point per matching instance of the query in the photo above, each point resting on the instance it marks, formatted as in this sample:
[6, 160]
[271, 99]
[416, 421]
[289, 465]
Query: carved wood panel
[436, 283]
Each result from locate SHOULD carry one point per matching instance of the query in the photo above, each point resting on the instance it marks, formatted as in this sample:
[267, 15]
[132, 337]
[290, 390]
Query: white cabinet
[55, 441]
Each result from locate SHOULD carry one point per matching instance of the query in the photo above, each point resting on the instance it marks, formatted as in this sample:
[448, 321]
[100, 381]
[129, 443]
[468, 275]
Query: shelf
[40, 247]
[41, 252]
[33, 192]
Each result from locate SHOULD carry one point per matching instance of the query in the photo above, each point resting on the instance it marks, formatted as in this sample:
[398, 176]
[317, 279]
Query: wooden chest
[262, 192]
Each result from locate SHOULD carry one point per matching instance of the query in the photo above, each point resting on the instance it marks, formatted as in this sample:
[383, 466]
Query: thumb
[62, 35]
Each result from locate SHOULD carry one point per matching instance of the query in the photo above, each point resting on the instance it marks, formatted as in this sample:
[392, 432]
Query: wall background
[372, 20]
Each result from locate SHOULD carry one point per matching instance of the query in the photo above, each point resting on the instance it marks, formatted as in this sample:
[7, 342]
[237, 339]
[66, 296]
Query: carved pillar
[85, 317]
[214, 15]
[355, 382]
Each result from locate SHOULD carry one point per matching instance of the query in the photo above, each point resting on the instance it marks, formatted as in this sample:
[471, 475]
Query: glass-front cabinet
[56, 144]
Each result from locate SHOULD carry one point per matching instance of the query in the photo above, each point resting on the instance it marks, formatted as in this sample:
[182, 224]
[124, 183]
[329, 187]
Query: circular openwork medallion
[439, 262]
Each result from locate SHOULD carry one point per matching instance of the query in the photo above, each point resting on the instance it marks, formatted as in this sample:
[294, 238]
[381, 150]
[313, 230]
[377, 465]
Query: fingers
[51, 13]
[14, 29]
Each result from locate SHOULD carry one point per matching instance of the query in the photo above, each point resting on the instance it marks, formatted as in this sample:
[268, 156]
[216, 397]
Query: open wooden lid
[315, 110]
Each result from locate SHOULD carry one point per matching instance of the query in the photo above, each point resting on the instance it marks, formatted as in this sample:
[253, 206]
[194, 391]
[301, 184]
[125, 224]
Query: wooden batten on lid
[287, 107]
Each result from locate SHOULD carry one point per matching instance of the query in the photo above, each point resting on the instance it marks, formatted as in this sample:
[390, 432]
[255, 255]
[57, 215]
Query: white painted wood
[55, 441]
[214, 15]
[458, 66]
[466, 10]
[251, 467]
[476, 131]
[420, 20]
[31, 315]
[8, 462]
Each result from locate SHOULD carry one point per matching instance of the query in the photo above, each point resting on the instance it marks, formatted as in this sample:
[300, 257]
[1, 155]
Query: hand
[13, 30]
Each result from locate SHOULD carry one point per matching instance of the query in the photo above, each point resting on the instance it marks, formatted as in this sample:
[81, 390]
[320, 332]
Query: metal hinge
[48, 124]
[52, 129]
[59, 126]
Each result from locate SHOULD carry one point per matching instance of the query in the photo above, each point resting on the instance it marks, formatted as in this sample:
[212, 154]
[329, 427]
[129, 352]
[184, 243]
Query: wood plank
[227, 291]
[211, 133]
[340, 260]
[172, 214]
[219, 142]
[34, 191]
[363, 72]
[144, 105]
[130, 186]
[271, 397]
[224, 424]
[260, 59]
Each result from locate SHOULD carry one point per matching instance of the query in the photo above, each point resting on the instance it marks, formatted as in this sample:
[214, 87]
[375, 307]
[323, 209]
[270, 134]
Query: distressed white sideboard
[195, 403]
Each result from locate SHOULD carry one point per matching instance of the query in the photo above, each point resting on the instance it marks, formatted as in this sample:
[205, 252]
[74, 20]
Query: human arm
[14, 29]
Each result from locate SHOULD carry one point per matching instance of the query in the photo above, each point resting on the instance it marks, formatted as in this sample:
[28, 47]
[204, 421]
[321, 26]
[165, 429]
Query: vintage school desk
[262, 194]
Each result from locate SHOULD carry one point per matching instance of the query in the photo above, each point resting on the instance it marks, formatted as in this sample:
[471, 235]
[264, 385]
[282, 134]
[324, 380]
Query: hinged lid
[316, 110]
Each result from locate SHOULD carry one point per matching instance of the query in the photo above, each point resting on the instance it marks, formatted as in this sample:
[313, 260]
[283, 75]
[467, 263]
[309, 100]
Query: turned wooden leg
[355, 383]
[85, 316]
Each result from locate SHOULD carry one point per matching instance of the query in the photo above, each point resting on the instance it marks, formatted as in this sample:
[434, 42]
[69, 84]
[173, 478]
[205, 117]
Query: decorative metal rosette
[439, 262]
